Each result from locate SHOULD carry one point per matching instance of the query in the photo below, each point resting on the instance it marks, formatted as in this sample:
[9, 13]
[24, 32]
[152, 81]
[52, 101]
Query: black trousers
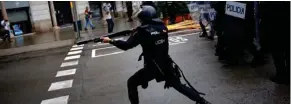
[143, 76]
[110, 25]
[281, 58]
[5, 35]
[129, 14]
[203, 28]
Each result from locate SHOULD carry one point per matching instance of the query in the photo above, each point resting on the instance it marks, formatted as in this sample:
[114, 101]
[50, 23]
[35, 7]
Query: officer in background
[219, 7]
[152, 35]
[204, 8]
[275, 30]
[129, 10]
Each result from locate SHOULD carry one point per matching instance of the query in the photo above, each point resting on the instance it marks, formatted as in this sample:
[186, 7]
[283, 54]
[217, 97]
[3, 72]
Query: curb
[37, 47]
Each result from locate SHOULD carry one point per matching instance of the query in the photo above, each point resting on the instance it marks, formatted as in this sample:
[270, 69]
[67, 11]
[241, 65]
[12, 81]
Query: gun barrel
[112, 35]
[83, 42]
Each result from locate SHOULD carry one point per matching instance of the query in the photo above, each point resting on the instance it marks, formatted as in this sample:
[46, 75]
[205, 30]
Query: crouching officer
[152, 35]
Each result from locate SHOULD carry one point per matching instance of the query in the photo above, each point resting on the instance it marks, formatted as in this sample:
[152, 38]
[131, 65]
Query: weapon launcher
[111, 35]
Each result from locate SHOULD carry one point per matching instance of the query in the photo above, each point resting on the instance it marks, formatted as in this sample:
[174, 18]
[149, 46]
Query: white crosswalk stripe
[70, 63]
[72, 57]
[61, 85]
[78, 45]
[66, 72]
[77, 48]
[75, 52]
[57, 100]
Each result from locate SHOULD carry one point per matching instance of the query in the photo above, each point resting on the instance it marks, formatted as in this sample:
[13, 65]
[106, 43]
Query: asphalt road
[97, 74]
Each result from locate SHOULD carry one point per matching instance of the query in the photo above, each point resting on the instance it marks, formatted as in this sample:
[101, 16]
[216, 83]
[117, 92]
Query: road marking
[189, 34]
[94, 50]
[100, 44]
[61, 85]
[105, 48]
[57, 100]
[176, 43]
[93, 56]
[75, 52]
[181, 41]
[70, 63]
[77, 48]
[66, 72]
[78, 45]
[72, 57]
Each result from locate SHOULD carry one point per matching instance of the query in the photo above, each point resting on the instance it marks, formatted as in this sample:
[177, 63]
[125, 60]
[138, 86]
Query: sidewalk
[34, 42]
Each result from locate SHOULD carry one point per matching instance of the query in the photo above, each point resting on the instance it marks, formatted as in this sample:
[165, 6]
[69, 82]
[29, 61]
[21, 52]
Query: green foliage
[167, 8]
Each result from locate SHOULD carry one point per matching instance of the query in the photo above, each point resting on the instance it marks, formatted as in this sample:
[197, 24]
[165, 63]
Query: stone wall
[81, 6]
[40, 16]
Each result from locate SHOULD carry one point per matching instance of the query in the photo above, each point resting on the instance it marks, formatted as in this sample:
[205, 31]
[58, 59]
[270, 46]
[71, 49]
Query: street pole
[75, 17]
[53, 14]
[4, 12]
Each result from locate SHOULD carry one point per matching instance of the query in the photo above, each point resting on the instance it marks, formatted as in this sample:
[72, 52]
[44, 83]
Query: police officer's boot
[145, 85]
[203, 101]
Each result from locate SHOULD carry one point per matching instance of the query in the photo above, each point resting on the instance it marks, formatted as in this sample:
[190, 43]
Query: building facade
[44, 16]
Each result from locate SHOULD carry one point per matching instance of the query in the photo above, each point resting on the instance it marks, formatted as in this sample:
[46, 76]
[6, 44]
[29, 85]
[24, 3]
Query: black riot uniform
[275, 33]
[152, 35]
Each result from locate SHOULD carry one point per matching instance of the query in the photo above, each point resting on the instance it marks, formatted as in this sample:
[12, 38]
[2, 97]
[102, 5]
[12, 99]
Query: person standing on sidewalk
[5, 30]
[110, 23]
[87, 18]
[129, 10]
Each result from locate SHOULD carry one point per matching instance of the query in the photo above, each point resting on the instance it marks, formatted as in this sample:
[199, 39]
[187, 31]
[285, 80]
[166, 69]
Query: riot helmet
[146, 14]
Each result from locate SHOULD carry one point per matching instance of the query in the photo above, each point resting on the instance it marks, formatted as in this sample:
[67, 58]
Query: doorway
[63, 12]
[96, 9]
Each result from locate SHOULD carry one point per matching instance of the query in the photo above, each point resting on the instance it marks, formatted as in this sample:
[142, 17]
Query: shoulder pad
[142, 26]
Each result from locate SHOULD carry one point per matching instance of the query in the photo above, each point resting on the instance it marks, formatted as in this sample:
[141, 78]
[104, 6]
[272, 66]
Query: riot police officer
[152, 35]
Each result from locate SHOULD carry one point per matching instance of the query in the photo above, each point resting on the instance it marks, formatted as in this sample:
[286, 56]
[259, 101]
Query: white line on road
[66, 72]
[72, 57]
[170, 43]
[176, 43]
[78, 45]
[61, 85]
[100, 44]
[57, 100]
[188, 34]
[93, 56]
[105, 48]
[77, 48]
[75, 52]
[94, 50]
[70, 63]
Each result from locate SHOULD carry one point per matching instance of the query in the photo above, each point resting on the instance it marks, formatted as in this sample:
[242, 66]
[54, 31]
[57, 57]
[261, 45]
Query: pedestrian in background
[5, 30]
[88, 15]
[110, 23]
[129, 10]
